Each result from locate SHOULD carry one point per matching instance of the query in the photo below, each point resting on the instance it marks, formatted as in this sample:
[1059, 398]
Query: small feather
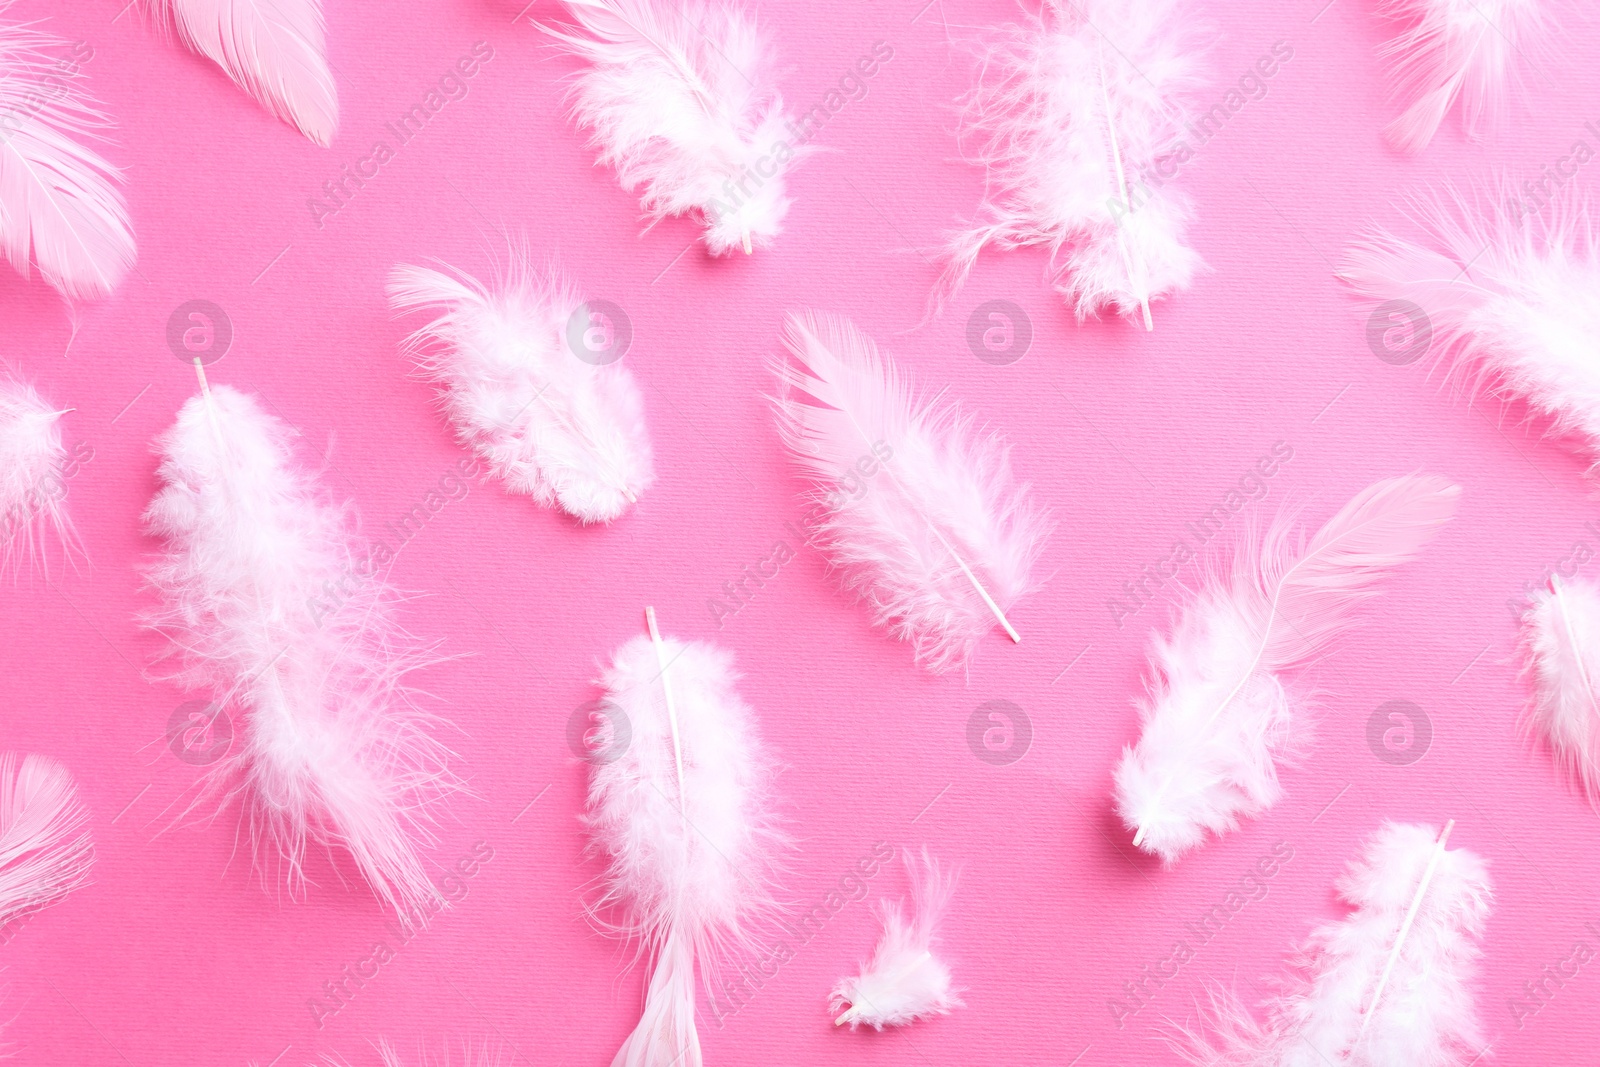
[1508, 299]
[678, 98]
[1219, 716]
[1073, 111]
[272, 606]
[557, 427]
[45, 852]
[272, 49]
[1561, 652]
[1452, 50]
[1390, 985]
[33, 487]
[904, 981]
[684, 814]
[59, 206]
[938, 541]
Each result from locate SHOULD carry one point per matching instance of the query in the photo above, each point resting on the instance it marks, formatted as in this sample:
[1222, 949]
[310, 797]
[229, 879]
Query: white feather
[1071, 109]
[684, 814]
[272, 49]
[679, 100]
[937, 540]
[1561, 654]
[472, 1054]
[33, 487]
[551, 425]
[1513, 303]
[1389, 985]
[45, 852]
[59, 206]
[1219, 717]
[1452, 50]
[904, 981]
[273, 608]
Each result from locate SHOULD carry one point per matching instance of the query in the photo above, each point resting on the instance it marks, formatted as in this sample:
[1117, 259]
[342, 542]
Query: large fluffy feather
[1219, 716]
[1561, 650]
[1389, 985]
[678, 98]
[275, 610]
[684, 815]
[45, 852]
[272, 49]
[59, 206]
[904, 981]
[932, 533]
[1071, 109]
[550, 424]
[33, 488]
[1512, 301]
[1452, 50]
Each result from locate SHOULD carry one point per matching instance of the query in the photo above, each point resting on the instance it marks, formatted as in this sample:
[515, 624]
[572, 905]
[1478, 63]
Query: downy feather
[1073, 111]
[678, 98]
[550, 424]
[1388, 986]
[272, 606]
[1452, 50]
[684, 814]
[272, 49]
[59, 205]
[904, 981]
[1219, 716]
[1511, 301]
[45, 852]
[33, 488]
[937, 540]
[1561, 655]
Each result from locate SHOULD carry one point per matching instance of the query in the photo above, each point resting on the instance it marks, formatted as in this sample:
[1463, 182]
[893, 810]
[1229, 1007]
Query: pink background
[176, 955]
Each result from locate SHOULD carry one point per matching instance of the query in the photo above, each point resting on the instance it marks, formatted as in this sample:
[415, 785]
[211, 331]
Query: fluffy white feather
[1388, 986]
[684, 814]
[904, 981]
[1219, 717]
[45, 852]
[678, 98]
[1561, 655]
[916, 509]
[1071, 110]
[271, 605]
[33, 488]
[1452, 50]
[1514, 302]
[472, 1054]
[551, 425]
[272, 49]
[59, 205]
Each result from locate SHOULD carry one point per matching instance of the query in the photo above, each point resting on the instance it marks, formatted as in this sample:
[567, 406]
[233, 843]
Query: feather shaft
[1405, 927]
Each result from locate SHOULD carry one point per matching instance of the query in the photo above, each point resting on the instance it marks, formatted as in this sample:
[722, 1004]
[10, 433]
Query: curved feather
[270, 605]
[33, 488]
[1218, 717]
[904, 981]
[1561, 654]
[1071, 110]
[59, 206]
[272, 49]
[551, 425]
[1514, 302]
[679, 100]
[45, 851]
[939, 541]
[1452, 50]
[684, 814]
